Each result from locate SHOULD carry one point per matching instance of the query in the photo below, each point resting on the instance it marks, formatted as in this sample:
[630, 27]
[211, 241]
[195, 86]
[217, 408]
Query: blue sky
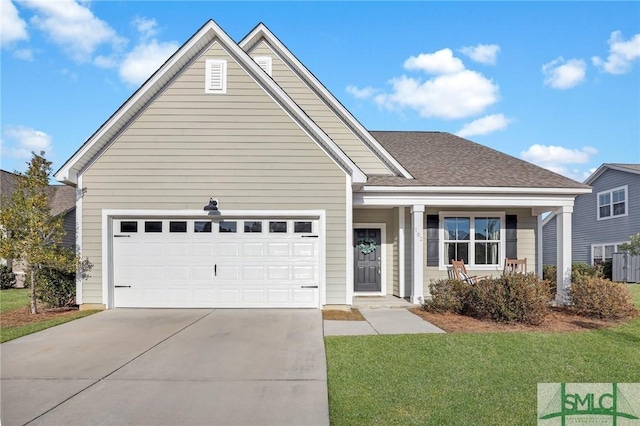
[555, 83]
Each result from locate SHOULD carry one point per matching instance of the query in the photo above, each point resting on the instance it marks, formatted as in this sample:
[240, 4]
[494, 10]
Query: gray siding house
[603, 219]
[233, 178]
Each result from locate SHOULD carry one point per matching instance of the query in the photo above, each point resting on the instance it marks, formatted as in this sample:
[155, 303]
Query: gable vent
[216, 76]
[264, 62]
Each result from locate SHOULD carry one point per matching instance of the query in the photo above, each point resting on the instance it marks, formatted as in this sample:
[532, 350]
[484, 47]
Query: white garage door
[193, 263]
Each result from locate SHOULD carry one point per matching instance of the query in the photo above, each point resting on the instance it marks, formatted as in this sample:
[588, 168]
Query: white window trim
[207, 85]
[267, 62]
[616, 248]
[472, 215]
[611, 191]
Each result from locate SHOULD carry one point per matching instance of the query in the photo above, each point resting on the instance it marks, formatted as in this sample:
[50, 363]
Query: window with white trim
[601, 253]
[478, 239]
[612, 203]
[264, 62]
[216, 76]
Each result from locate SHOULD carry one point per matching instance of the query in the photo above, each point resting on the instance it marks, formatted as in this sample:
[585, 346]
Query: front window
[475, 239]
[601, 253]
[612, 203]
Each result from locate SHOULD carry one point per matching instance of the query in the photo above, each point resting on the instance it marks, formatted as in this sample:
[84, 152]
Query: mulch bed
[340, 315]
[558, 320]
[22, 316]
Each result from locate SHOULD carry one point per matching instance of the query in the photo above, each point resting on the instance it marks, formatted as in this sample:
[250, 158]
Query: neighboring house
[603, 219]
[62, 201]
[312, 208]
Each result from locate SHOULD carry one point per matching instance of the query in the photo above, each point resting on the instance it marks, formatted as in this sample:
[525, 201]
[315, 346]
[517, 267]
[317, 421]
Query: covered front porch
[403, 242]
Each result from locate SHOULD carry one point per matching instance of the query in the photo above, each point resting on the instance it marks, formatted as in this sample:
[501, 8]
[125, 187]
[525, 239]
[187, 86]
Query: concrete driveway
[170, 367]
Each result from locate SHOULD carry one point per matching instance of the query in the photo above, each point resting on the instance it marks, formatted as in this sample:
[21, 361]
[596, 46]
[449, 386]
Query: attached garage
[239, 262]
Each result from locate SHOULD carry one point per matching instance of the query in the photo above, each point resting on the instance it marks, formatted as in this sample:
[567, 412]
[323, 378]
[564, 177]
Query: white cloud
[144, 60]
[73, 26]
[147, 27]
[621, 54]
[19, 141]
[440, 62]
[484, 125]
[24, 54]
[561, 74]
[12, 27]
[449, 96]
[364, 93]
[557, 159]
[483, 53]
[102, 61]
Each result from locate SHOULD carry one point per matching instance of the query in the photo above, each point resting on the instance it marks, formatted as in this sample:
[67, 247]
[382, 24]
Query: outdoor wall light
[212, 206]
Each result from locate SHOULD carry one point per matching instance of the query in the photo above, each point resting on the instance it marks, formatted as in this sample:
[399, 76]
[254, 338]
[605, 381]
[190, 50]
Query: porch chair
[515, 266]
[460, 273]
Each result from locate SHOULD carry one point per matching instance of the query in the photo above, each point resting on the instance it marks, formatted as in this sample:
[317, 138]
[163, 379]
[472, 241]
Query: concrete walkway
[169, 367]
[381, 321]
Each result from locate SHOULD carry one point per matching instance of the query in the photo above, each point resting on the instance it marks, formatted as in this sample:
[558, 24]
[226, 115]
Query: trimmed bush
[7, 277]
[56, 288]
[549, 273]
[447, 296]
[601, 298]
[509, 298]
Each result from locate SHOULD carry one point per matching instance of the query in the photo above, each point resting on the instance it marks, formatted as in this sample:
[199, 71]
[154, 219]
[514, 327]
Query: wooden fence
[626, 268]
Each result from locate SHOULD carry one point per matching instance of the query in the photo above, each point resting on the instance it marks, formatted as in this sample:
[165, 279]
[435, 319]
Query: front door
[367, 259]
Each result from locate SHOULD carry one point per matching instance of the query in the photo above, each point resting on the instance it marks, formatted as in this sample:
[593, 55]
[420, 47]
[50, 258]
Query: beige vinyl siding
[239, 147]
[389, 218]
[527, 240]
[319, 112]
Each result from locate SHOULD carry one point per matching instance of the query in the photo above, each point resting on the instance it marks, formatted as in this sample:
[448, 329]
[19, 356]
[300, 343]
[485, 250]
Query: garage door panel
[210, 269]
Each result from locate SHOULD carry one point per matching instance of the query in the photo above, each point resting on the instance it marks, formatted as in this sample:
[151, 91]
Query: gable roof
[262, 32]
[438, 159]
[182, 58]
[629, 168]
[62, 198]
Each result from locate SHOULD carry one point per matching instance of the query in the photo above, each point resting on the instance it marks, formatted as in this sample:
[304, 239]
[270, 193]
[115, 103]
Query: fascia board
[473, 190]
[261, 31]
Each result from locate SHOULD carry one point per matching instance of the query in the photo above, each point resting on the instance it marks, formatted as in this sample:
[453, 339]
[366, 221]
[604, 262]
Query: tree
[31, 234]
[633, 247]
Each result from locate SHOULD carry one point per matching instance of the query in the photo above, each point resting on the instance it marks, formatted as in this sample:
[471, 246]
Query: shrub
[509, 298]
[581, 271]
[56, 288]
[447, 296]
[7, 277]
[607, 269]
[601, 298]
[550, 273]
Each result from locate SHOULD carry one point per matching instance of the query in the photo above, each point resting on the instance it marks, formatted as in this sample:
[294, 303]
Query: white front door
[201, 263]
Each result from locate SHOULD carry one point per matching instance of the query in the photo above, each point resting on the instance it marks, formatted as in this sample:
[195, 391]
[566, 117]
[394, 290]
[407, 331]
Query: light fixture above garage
[212, 206]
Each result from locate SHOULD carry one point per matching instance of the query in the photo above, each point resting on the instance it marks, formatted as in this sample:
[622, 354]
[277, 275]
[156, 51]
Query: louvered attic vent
[264, 62]
[216, 77]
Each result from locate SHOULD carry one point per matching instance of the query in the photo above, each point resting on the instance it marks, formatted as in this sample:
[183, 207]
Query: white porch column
[401, 226]
[540, 244]
[563, 261]
[417, 252]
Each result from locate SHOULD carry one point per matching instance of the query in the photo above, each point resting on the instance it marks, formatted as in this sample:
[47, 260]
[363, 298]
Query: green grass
[13, 298]
[17, 298]
[635, 292]
[483, 379]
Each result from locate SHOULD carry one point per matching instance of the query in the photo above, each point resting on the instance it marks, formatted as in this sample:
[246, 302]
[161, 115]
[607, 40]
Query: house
[233, 178]
[603, 219]
[62, 201]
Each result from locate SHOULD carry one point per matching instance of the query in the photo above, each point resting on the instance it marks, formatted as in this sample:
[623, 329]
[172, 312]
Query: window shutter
[433, 243]
[216, 78]
[511, 227]
[264, 62]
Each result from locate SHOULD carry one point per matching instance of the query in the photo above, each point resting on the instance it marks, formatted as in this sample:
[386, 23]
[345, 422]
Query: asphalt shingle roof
[443, 159]
[62, 198]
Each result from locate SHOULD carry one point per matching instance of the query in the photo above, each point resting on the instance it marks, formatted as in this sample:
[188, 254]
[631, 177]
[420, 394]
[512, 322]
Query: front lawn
[464, 378]
[15, 320]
